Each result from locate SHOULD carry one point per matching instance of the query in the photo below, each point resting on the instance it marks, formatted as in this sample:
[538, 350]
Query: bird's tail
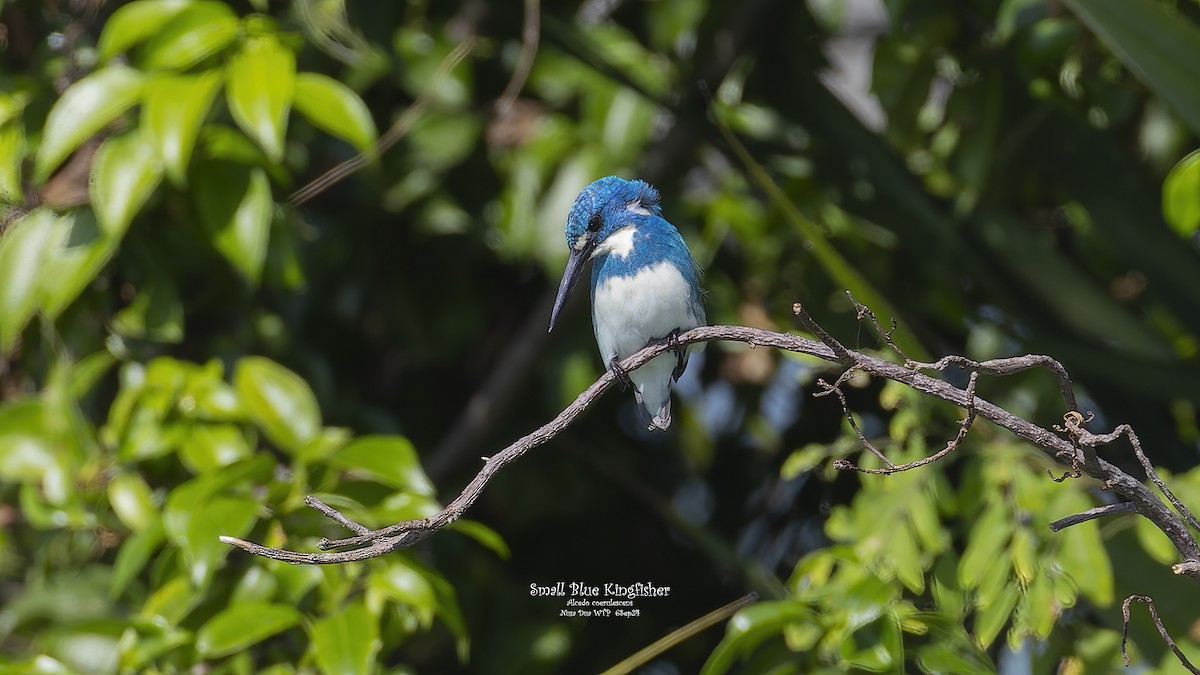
[654, 419]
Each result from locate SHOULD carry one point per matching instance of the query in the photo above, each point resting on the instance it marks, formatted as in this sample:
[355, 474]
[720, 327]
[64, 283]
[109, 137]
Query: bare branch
[1162, 630]
[1087, 439]
[379, 542]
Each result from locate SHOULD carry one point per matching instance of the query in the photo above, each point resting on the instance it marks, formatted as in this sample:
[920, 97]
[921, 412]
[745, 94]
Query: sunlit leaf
[990, 618]
[906, 556]
[749, 627]
[77, 253]
[131, 501]
[235, 205]
[23, 247]
[1181, 196]
[171, 602]
[85, 108]
[259, 88]
[989, 536]
[1024, 554]
[172, 113]
[346, 643]
[333, 107]
[135, 22]
[12, 139]
[212, 446]
[221, 515]
[125, 171]
[485, 535]
[239, 626]
[389, 459]
[202, 29]
[257, 585]
[27, 450]
[279, 401]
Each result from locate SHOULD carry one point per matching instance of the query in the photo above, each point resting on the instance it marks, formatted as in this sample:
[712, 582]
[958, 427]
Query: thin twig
[398, 130]
[836, 390]
[963, 427]
[646, 654]
[1090, 440]
[1092, 514]
[996, 367]
[335, 515]
[1162, 630]
[815, 328]
[530, 34]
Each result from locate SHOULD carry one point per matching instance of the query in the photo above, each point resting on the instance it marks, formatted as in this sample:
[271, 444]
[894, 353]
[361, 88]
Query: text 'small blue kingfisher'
[644, 285]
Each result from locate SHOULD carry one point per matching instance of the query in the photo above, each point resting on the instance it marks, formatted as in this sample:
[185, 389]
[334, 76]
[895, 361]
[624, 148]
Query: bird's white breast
[629, 311]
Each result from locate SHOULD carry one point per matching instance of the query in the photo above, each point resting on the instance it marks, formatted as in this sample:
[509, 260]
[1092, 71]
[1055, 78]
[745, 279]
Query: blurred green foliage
[185, 354]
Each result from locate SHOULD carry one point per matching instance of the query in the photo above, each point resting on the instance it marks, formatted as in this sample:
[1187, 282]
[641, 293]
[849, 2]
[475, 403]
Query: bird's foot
[680, 354]
[619, 373]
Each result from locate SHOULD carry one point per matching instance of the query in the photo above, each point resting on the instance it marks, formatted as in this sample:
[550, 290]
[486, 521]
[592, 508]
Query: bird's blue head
[603, 207]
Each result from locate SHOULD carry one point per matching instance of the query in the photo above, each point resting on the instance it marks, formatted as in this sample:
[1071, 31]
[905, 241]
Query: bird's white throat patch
[619, 243]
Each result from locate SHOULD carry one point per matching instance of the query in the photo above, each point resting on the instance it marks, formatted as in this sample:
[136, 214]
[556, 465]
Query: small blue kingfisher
[645, 285]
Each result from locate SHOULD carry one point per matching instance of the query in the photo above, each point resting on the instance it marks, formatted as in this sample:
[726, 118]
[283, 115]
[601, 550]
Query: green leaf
[12, 139]
[906, 557]
[399, 582]
[171, 602]
[135, 552]
[486, 536]
[1042, 611]
[1024, 555]
[131, 501]
[237, 627]
[140, 644]
[86, 372]
[335, 108]
[259, 88]
[134, 23]
[85, 108]
[749, 627]
[234, 204]
[23, 247]
[990, 533]
[990, 618]
[1181, 196]
[78, 252]
[27, 449]
[1160, 47]
[257, 585]
[391, 460]
[125, 172]
[156, 313]
[279, 401]
[173, 112]
[347, 642]
[212, 446]
[221, 515]
[199, 31]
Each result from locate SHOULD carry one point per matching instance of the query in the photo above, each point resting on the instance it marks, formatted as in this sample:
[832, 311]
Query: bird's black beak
[571, 274]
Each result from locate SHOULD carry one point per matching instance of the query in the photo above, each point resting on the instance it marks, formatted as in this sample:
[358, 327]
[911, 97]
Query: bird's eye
[594, 223]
